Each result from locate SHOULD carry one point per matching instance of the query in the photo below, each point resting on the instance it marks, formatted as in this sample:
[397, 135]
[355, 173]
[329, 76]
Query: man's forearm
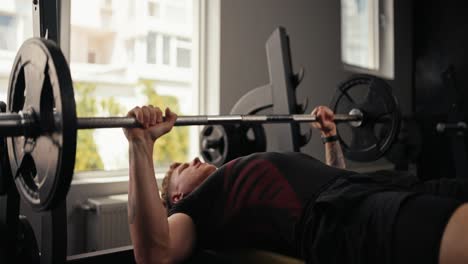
[334, 155]
[149, 228]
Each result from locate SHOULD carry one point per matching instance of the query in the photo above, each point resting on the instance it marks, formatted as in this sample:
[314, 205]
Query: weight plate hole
[28, 172]
[250, 134]
[208, 131]
[47, 106]
[20, 93]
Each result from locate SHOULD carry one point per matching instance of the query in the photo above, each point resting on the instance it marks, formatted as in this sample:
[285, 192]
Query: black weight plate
[42, 162]
[252, 139]
[381, 123]
[220, 144]
[214, 144]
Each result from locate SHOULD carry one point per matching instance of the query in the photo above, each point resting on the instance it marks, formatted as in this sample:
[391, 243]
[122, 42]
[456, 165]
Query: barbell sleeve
[14, 124]
[459, 127]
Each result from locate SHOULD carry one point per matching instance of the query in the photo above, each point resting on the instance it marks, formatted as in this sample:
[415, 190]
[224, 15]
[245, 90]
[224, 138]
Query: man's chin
[212, 169]
[207, 172]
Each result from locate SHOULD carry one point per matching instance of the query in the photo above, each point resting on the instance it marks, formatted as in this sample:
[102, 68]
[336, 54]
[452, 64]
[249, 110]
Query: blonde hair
[165, 186]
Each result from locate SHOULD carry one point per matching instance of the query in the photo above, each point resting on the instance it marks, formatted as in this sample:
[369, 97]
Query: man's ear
[176, 197]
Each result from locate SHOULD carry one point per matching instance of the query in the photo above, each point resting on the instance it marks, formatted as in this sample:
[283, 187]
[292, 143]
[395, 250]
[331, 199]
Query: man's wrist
[330, 133]
[328, 139]
[141, 143]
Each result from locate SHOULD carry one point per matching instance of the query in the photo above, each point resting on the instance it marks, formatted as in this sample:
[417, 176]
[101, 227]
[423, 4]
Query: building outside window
[120, 57]
[131, 60]
[7, 32]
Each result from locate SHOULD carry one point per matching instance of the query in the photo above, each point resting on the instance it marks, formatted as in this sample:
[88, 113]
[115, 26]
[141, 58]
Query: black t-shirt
[256, 201]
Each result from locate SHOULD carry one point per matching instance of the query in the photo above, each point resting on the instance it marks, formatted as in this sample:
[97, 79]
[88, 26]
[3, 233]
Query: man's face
[188, 176]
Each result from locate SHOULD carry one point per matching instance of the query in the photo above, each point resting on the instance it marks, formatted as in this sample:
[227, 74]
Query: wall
[314, 30]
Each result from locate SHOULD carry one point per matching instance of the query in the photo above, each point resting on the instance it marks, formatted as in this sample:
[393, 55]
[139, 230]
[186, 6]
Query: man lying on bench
[289, 203]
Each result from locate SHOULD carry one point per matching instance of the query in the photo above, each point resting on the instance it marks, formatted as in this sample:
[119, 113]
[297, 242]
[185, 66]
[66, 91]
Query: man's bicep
[182, 237]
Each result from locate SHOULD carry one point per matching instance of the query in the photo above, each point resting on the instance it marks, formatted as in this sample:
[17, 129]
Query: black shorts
[419, 227]
[374, 218]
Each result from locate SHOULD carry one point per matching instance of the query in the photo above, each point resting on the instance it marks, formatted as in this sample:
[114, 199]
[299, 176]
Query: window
[166, 50]
[183, 58]
[126, 63]
[151, 48]
[15, 28]
[153, 9]
[131, 9]
[108, 3]
[184, 52]
[360, 33]
[176, 14]
[130, 50]
[8, 31]
[114, 69]
[91, 57]
[367, 37]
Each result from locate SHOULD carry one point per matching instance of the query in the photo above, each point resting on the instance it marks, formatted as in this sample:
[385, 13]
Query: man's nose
[195, 161]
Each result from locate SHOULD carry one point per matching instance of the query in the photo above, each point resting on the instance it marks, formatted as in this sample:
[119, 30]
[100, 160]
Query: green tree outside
[174, 145]
[171, 147]
[111, 107]
[87, 156]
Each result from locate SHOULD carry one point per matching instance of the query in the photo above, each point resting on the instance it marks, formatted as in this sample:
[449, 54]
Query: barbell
[27, 123]
[40, 124]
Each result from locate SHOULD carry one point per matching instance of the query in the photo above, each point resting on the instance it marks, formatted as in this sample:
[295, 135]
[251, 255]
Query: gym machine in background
[420, 47]
[440, 87]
